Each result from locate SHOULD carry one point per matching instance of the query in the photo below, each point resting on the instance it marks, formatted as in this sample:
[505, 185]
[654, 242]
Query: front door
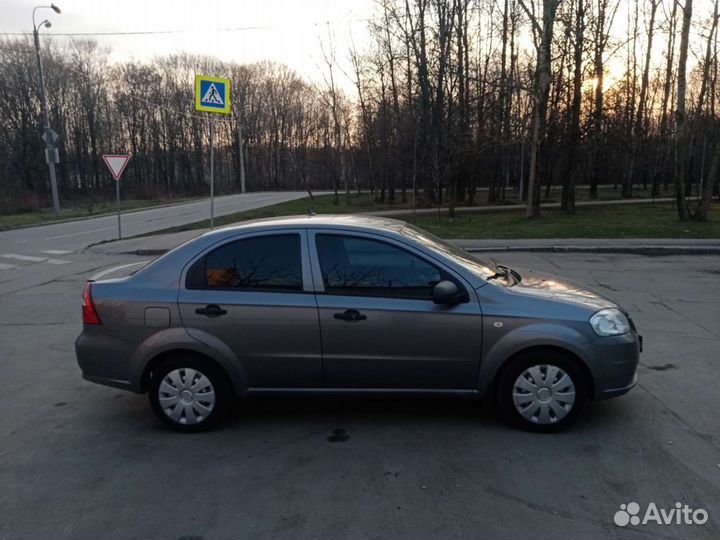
[379, 325]
[252, 295]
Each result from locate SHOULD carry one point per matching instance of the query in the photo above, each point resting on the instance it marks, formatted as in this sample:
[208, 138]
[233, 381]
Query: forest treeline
[450, 96]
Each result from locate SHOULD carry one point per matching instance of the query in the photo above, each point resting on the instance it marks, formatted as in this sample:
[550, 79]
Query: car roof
[344, 221]
[179, 256]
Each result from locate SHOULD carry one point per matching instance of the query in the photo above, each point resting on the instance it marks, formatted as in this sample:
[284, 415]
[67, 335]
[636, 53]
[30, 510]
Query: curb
[657, 251]
[145, 252]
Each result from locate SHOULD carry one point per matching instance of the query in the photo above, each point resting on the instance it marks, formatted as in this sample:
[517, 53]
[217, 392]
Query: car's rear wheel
[189, 394]
[542, 391]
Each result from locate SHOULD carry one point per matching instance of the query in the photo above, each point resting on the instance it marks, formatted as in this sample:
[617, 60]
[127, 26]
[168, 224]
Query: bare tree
[543, 74]
[332, 99]
[449, 97]
[568, 193]
[638, 129]
[681, 131]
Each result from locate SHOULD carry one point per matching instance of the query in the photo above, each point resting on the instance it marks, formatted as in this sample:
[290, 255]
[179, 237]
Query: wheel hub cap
[186, 396]
[544, 394]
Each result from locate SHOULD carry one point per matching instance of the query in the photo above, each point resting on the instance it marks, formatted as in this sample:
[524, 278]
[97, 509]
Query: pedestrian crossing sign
[212, 94]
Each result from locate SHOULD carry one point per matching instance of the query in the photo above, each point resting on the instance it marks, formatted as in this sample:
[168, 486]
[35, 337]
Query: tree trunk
[541, 93]
[568, 193]
[638, 131]
[681, 130]
[706, 190]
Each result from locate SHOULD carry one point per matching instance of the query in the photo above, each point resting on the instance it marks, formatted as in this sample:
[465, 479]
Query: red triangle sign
[116, 163]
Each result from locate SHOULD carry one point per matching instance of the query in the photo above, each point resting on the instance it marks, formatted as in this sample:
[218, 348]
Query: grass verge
[617, 221]
[613, 221]
[323, 204]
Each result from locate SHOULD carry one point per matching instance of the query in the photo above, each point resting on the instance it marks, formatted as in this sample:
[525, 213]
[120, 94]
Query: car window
[359, 266]
[263, 262]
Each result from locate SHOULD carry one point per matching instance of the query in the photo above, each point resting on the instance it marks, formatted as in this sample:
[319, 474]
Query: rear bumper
[104, 360]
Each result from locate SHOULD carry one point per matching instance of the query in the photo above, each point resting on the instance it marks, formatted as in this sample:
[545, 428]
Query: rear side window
[265, 263]
[359, 266]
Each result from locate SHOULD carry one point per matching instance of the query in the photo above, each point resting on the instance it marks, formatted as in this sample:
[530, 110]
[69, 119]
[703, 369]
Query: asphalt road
[81, 461]
[74, 235]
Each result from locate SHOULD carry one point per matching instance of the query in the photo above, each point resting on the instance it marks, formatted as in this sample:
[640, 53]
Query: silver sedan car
[327, 304]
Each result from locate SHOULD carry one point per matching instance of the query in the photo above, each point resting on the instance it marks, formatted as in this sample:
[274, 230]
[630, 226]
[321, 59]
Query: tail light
[89, 313]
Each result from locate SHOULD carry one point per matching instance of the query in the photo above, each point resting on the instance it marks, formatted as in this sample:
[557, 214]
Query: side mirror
[447, 292]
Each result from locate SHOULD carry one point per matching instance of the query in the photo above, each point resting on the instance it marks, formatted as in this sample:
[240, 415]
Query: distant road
[60, 238]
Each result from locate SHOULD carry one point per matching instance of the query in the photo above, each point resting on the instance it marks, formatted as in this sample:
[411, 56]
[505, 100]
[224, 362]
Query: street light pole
[240, 110]
[49, 136]
[242, 157]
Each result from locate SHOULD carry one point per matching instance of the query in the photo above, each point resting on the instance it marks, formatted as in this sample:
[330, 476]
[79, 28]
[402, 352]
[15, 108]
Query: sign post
[117, 204]
[212, 94]
[116, 163]
[212, 171]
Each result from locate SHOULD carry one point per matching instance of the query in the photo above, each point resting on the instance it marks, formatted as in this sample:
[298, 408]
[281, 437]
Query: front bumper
[614, 392]
[613, 363]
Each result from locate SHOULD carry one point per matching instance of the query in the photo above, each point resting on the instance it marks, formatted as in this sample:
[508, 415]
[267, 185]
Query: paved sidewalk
[496, 207]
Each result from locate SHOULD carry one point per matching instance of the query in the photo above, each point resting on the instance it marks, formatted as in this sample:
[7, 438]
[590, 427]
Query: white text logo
[680, 514]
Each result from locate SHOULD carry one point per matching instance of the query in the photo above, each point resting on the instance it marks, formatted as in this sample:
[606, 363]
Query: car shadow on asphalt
[278, 414]
[393, 411]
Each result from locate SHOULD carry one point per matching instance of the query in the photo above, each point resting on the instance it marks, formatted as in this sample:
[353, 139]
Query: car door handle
[211, 310]
[350, 315]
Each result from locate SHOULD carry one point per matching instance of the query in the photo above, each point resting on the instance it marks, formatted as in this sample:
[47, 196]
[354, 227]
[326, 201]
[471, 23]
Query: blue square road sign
[212, 94]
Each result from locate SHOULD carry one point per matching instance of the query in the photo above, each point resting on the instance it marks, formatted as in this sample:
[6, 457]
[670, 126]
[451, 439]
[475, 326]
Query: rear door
[379, 325]
[254, 294]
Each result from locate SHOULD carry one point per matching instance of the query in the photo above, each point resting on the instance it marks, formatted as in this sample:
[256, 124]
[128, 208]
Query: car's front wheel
[542, 391]
[189, 394]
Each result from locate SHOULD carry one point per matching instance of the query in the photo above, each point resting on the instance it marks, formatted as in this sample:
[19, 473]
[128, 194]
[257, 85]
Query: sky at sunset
[287, 31]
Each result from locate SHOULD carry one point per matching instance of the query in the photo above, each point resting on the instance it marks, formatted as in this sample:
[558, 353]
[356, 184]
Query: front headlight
[609, 322]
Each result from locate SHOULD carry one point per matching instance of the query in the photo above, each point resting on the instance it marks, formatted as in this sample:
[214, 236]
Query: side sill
[377, 392]
[115, 383]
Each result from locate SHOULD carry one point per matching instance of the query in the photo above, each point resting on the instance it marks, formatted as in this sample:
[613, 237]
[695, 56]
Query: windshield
[477, 266]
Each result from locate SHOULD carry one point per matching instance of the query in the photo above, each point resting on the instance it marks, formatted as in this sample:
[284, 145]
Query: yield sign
[116, 163]
[50, 136]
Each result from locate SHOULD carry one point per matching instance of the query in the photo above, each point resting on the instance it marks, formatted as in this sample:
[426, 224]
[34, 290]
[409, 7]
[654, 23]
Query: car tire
[189, 394]
[542, 391]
